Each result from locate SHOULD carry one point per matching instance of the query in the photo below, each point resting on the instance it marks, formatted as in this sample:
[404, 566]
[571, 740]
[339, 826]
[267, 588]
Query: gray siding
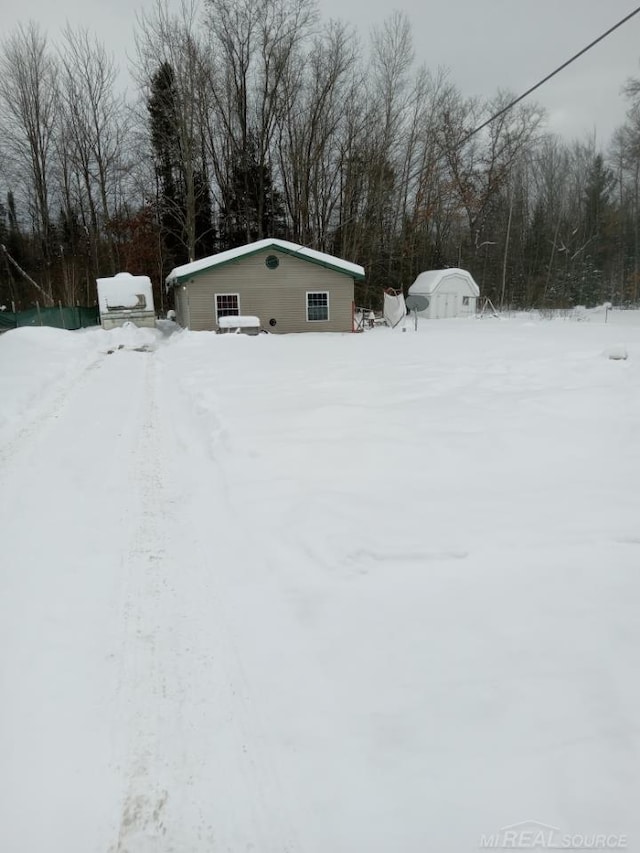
[178, 302]
[279, 294]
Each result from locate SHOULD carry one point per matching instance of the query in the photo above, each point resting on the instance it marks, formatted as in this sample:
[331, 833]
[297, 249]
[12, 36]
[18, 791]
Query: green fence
[62, 317]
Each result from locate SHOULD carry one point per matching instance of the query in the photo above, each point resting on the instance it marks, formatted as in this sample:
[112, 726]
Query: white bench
[239, 325]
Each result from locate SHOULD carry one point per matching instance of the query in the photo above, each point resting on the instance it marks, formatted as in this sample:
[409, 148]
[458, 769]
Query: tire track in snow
[142, 697]
[262, 823]
[173, 665]
[190, 736]
[46, 415]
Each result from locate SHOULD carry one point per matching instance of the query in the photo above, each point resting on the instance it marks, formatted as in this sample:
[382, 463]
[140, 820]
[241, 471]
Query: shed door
[447, 305]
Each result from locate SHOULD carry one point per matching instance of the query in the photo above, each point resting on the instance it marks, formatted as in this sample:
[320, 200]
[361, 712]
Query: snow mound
[617, 352]
[35, 360]
[30, 338]
[239, 322]
[129, 336]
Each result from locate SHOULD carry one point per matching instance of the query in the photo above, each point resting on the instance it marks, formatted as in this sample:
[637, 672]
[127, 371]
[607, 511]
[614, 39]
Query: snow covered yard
[319, 593]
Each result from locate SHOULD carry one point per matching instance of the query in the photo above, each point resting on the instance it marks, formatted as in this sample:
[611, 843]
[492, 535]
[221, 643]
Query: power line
[549, 76]
[524, 95]
[540, 83]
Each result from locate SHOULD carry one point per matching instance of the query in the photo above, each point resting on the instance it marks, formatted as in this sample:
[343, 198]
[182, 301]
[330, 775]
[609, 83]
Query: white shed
[126, 298]
[450, 293]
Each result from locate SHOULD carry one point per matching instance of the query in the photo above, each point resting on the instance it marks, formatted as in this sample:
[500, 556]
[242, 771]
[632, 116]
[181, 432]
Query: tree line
[256, 118]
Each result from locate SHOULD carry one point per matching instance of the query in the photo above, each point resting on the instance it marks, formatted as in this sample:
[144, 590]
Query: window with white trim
[227, 305]
[317, 306]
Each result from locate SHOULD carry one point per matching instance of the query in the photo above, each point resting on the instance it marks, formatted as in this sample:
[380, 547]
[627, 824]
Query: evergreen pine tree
[253, 208]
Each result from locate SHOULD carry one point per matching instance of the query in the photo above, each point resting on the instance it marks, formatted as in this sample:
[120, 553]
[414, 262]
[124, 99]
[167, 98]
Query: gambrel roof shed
[429, 281]
[447, 293]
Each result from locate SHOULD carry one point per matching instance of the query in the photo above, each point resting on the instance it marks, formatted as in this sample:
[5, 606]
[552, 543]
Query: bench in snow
[239, 325]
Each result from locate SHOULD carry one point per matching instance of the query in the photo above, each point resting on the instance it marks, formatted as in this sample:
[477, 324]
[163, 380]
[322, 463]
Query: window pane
[317, 306]
[227, 305]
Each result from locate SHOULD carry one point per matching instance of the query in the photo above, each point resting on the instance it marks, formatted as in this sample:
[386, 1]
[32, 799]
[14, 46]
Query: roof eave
[179, 279]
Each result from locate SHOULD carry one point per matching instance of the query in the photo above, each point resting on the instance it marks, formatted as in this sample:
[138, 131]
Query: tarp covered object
[394, 309]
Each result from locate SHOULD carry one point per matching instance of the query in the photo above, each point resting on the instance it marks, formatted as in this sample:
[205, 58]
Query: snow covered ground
[367, 593]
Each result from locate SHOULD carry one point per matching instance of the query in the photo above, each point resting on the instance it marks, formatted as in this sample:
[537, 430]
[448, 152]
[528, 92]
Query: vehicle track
[46, 415]
[141, 690]
[196, 774]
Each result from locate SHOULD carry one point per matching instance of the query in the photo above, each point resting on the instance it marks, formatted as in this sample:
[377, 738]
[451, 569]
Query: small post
[61, 314]
[38, 310]
[13, 307]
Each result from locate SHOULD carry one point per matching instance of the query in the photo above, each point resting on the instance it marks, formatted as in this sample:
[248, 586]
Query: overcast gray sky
[486, 44]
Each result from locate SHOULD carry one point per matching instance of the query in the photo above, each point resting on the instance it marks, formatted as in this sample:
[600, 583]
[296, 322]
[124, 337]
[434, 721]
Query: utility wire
[549, 76]
[524, 95]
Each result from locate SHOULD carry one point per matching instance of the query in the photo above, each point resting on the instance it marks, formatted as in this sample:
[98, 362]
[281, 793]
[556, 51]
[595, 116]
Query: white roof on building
[427, 282]
[187, 270]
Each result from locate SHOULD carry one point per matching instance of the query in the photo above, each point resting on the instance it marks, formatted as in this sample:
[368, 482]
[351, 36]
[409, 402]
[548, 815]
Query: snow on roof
[428, 281]
[187, 270]
[122, 290]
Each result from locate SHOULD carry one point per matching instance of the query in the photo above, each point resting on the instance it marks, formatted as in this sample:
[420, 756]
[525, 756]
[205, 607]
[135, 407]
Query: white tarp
[394, 307]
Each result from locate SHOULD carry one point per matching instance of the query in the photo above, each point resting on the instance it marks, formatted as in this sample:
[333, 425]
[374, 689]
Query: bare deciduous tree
[29, 99]
[93, 137]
